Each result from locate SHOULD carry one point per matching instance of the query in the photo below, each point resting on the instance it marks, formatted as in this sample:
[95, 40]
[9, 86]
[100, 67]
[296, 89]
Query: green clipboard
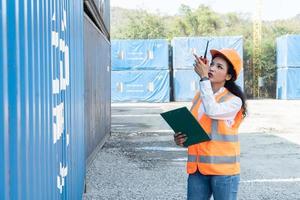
[182, 120]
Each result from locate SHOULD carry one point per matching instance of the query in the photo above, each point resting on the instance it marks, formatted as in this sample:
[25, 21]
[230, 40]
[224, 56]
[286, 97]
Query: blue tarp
[184, 47]
[288, 51]
[139, 54]
[186, 84]
[140, 85]
[288, 83]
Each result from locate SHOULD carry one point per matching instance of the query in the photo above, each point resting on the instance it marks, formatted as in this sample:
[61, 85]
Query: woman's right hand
[201, 66]
[180, 138]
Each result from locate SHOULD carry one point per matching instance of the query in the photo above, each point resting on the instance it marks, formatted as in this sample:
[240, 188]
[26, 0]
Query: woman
[220, 107]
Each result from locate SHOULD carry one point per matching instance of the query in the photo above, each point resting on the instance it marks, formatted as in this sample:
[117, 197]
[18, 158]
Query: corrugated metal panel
[288, 83]
[4, 136]
[288, 51]
[99, 12]
[103, 7]
[140, 85]
[140, 54]
[42, 85]
[75, 128]
[97, 86]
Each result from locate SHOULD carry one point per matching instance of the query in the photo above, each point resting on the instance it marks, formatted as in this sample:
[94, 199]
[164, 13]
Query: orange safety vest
[220, 155]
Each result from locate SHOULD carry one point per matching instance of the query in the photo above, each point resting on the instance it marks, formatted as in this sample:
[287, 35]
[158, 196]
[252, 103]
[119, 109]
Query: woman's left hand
[201, 66]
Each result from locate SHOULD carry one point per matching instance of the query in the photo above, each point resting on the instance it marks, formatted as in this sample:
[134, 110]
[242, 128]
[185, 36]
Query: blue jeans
[202, 187]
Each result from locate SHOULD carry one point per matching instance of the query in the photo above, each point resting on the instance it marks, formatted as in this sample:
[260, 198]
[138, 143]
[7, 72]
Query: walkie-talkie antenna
[206, 49]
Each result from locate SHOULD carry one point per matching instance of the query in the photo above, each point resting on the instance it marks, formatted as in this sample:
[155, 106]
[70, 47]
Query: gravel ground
[124, 170]
[140, 160]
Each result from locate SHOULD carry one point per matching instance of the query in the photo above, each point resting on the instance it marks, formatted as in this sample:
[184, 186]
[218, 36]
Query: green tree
[142, 25]
[202, 21]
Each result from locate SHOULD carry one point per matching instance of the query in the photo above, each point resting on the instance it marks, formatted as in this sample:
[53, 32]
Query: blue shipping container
[97, 88]
[144, 86]
[288, 51]
[42, 104]
[186, 84]
[184, 47]
[288, 83]
[139, 54]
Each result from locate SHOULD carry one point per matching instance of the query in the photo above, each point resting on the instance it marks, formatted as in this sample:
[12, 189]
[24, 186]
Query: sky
[271, 9]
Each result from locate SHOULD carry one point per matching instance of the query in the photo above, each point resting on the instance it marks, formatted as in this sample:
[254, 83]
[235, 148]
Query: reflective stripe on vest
[219, 159]
[221, 137]
[214, 159]
[192, 158]
[195, 103]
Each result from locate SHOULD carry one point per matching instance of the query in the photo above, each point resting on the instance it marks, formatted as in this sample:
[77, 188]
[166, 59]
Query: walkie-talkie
[205, 53]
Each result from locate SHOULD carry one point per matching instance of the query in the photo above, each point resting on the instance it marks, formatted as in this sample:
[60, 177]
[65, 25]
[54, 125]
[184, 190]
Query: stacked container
[97, 75]
[185, 79]
[140, 71]
[41, 102]
[288, 67]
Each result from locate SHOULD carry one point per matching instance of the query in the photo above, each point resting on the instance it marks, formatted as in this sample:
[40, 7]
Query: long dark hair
[233, 87]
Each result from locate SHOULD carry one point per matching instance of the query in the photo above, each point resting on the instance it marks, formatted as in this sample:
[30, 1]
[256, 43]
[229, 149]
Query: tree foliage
[142, 25]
